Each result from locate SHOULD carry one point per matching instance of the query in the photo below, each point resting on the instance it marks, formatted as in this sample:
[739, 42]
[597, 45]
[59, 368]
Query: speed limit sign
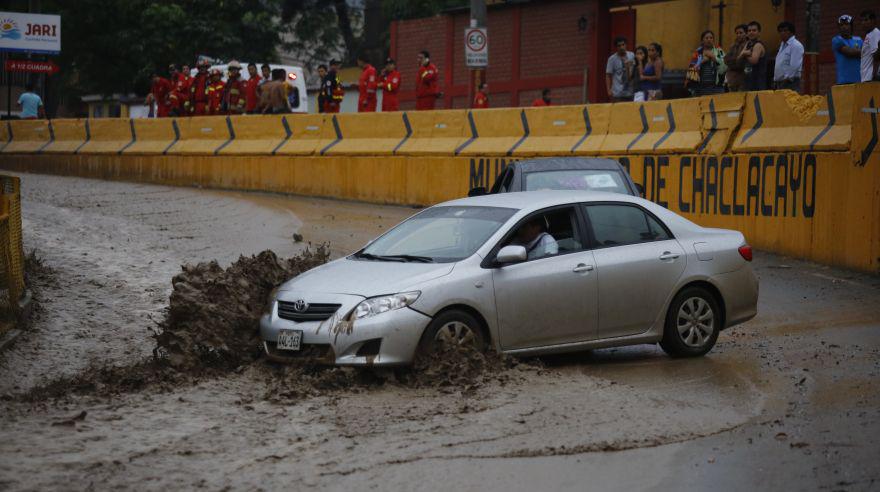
[476, 47]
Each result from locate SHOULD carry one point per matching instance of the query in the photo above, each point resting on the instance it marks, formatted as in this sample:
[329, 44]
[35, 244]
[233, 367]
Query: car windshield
[438, 234]
[577, 179]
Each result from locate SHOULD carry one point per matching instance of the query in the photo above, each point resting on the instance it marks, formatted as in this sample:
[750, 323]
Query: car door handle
[582, 267]
[669, 256]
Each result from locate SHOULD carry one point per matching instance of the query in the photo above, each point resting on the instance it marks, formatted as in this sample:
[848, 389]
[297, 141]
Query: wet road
[786, 401]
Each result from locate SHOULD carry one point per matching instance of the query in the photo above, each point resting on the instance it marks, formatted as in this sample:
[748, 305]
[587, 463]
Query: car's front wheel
[453, 328]
[692, 323]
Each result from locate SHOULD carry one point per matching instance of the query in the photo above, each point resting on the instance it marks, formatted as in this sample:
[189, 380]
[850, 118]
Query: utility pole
[478, 19]
[720, 6]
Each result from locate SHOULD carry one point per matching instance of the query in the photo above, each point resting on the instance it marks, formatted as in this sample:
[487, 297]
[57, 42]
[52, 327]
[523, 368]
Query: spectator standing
[754, 56]
[481, 100]
[735, 65]
[251, 98]
[197, 101]
[641, 58]
[708, 62]
[789, 59]
[332, 89]
[544, 100]
[651, 73]
[30, 103]
[215, 91]
[870, 65]
[390, 83]
[234, 92]
[273, 97]
[159, 92]
[847, 52]
[619, 72]
[367, 85]
[322, 74]
[427, 88]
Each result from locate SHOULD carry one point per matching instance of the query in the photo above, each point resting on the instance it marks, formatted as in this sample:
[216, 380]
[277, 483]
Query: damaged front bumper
[387, 339]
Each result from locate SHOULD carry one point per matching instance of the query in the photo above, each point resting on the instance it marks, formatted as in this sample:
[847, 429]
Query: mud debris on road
[211, 328]
[90, 397]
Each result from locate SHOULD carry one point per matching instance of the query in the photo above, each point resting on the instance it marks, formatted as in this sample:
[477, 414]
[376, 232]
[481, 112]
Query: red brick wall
[552, 52]
[551, 43]
[414, 36]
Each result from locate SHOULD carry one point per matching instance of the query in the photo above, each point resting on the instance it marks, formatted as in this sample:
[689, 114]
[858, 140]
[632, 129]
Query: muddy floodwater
[787, 401]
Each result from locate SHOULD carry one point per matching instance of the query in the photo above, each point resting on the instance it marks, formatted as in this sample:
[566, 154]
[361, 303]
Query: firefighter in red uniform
[252, 98]
[544, 100]
[197, 102]
[390, 84]
[367, 85]
[215, 92]
[159, 92]
[234, 93]
[427, 89]
[177, 96]
[332, 89]
[481, 100]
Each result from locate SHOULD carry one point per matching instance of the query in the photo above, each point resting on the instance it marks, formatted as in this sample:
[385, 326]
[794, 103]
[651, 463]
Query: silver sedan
[526, 273]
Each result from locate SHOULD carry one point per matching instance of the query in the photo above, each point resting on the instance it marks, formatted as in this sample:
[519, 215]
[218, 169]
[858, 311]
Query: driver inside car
[535, 238]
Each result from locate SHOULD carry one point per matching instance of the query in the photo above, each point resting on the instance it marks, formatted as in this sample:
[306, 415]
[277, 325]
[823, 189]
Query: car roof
[564, 163]
[533, 200]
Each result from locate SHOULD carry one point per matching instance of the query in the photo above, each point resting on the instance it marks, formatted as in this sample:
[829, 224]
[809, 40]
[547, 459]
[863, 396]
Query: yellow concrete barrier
[257, 134]
[107, 136]
[68, 136]
[307, 132]
[498, 131]
[786, 121]
[435, 132]
[366, 134]
[865, 123]
[721, 117]
[654, 126]
[559, 130]
[152, 136]
[202, 135]
[27, 136]
[5, 133]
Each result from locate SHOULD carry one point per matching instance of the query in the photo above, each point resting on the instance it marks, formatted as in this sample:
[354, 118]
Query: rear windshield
[577, 179]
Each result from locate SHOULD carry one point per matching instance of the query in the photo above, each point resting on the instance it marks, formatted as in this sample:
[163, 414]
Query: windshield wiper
[420, 259]
[370, 256]
[398, 258]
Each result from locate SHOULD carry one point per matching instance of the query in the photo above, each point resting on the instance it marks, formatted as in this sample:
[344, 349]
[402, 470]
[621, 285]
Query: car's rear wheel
[692, 323]
[453, 328]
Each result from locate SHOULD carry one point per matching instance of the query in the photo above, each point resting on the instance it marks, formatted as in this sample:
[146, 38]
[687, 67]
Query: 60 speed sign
[476, 47]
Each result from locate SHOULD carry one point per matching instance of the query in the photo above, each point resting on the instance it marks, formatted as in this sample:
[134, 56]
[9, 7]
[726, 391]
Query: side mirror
[640, 189]
[511, 254]
[478, 191]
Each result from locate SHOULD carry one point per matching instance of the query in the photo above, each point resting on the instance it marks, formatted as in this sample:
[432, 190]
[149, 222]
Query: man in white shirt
[870, 53]
[537, 241]
[789, 59]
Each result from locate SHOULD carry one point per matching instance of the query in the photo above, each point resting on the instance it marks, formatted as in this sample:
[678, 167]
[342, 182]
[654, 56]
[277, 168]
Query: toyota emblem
[300, 306]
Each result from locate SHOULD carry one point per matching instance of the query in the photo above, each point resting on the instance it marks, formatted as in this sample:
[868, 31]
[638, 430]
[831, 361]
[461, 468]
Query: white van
[298, 98]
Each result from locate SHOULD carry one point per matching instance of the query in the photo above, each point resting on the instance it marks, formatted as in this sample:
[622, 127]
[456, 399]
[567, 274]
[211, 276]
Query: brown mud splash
[211, 329]
[447, 369]
[213, 315]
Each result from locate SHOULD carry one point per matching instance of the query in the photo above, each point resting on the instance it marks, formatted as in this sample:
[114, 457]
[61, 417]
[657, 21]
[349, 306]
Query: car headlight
[267, 309]
[379, 305]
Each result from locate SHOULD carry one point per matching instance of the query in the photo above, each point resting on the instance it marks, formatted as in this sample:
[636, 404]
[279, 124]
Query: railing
[11, 251]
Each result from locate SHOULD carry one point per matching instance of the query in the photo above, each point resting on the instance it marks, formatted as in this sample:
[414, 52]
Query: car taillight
[746, 252]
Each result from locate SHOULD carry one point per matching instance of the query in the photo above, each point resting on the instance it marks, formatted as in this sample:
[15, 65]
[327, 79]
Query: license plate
[289, 340]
